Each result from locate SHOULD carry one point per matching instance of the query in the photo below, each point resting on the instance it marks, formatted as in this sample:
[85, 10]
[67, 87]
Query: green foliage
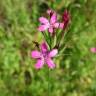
[75, 74]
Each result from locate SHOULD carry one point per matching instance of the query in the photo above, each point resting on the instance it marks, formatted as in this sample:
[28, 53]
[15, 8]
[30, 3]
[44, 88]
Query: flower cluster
[49, 29]
[53, 22]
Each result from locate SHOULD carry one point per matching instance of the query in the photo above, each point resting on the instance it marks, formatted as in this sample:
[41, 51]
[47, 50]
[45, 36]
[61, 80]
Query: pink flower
[44, 56]
[93, 50]
[66, 18]
[49, 24]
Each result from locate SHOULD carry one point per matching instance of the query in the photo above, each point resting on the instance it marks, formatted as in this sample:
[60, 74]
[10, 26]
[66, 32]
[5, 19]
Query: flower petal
[39, 64]
[56, 25]
[93, 50]
[53, 53]
[53, 18]
[44, 47]
[43, 20]
[42, 27]
[61, 26]
[35, 54]
[50, 29]
[50, 63]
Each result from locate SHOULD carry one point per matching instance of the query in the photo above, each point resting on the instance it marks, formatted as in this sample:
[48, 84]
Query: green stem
[44, 35]
[48, 82]
[60, 38]
[50, 39]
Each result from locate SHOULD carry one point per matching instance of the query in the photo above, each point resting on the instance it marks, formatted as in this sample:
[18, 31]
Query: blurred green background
[75, 74]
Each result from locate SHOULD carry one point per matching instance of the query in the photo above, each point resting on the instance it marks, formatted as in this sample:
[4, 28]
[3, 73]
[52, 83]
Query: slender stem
[63, 55]
[61, 34]
[48, 82]
[56, 35]
[44, 35]
[50, 40]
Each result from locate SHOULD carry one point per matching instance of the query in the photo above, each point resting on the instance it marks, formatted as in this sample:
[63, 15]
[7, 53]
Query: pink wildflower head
[93, 50]
[49, 25]
[44, 56]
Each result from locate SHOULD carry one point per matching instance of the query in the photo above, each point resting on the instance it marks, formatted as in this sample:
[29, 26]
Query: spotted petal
[43, 20]
[39, 64]
[53, 53]
[50, 63]
[35, 54]
[42, 27]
